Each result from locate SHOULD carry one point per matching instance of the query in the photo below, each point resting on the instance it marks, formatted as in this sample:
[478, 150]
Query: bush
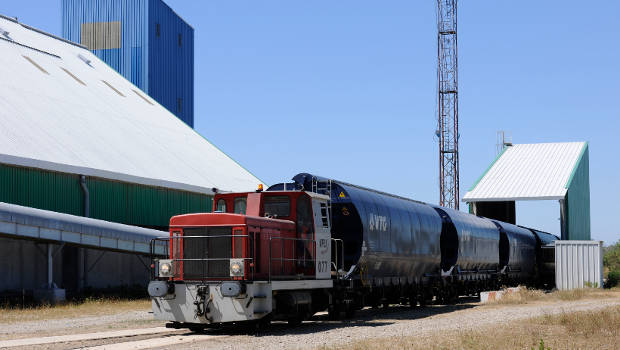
[611, 261]
[613, 279]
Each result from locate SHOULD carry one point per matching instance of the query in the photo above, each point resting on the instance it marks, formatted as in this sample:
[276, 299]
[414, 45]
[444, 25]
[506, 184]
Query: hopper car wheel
[294, 321]
[350, 311]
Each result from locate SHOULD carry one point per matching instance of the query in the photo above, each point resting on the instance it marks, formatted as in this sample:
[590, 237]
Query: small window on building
[157, 30]
[101, 35]
[240, 205]
[180, 40]
[73, 76]
[113, 88]
[179, 105]
[35, 64]
[277, 206]
[221, 206]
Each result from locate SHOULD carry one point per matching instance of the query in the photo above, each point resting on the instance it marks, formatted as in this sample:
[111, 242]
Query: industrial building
[80, 139]
[144, 40]
[544, 171]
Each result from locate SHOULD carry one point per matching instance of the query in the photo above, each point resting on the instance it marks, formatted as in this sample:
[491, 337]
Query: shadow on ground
[367, 317]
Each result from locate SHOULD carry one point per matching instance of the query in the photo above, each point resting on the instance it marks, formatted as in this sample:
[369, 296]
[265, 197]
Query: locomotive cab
[257, 255]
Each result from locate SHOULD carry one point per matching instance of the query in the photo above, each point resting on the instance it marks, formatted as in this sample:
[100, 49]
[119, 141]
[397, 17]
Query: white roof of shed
[63, 109]
[528, 172]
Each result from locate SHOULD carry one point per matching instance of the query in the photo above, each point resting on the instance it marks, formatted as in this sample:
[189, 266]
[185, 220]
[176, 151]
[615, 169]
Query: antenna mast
[448, 118]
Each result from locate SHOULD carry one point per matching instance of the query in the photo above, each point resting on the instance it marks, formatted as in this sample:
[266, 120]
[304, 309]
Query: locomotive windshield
[277, 206]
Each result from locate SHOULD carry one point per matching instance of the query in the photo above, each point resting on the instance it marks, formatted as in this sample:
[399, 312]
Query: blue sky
[347, 89]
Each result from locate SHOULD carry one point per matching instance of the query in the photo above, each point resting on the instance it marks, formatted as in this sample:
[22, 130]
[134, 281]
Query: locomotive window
[240, 205]
[277, 206]
[221, 206]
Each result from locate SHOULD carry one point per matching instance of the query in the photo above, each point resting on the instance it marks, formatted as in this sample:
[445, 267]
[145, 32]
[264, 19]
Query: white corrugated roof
[52, 121]
[528, 172]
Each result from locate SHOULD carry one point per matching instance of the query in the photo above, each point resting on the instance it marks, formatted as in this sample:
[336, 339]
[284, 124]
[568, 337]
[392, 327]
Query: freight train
[318, 244]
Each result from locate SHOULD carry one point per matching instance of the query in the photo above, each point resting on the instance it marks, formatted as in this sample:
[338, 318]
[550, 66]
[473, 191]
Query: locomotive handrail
[309, 254]
[207, 259]
[172, 239]
[218, 236]
[282, 259]
[336, 240]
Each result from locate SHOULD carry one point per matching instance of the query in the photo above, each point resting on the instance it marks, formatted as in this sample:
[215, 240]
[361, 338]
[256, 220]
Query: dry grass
[89, 307]
[524, 296]
[568, 330]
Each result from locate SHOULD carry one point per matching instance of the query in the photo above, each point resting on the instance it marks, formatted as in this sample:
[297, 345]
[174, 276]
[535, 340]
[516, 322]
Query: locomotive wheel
[197, 329]
[333, 313]
[263, 323]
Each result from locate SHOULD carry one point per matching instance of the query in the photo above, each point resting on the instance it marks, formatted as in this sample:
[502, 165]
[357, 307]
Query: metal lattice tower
[448, 112]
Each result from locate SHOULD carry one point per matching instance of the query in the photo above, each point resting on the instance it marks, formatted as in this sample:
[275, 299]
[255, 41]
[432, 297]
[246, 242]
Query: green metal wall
[142, 205]
[109, 200]
[41, 189]
[577, 202]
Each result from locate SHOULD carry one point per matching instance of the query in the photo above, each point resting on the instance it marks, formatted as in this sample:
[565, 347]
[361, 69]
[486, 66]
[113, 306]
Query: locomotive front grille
[207, 246]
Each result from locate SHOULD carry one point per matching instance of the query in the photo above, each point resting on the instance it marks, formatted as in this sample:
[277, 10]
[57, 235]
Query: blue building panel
[171, 52]
[144, 40]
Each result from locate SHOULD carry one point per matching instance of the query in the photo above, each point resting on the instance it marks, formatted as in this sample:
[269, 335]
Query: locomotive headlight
[165, 268]
[236, 267]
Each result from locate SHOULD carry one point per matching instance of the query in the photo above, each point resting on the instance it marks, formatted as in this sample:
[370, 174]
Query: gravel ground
[134, 319]
[398, 322]
[317, 333]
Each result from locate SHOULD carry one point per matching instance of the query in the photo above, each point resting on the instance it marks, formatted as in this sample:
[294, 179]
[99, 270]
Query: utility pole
[448, 118]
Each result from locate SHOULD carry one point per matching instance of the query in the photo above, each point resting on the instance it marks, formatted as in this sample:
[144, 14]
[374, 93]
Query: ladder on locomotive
[324, 187]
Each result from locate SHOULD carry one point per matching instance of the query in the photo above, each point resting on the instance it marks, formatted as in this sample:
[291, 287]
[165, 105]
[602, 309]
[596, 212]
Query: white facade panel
[60, 113]
[528, 172]
[578, 264]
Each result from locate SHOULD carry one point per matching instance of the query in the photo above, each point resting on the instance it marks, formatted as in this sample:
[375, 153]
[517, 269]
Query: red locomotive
[256, 250]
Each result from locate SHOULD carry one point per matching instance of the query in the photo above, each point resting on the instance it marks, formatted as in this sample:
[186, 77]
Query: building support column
[81, 269]
[563, 228]
[50, 267]
[49, 292]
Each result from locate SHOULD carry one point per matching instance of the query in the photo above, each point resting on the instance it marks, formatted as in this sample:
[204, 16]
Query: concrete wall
[24, 265]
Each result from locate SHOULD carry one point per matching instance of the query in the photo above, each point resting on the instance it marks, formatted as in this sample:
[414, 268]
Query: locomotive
[319, 244]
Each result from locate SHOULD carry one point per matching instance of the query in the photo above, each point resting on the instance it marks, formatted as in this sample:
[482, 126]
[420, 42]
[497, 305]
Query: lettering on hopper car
[378, 222]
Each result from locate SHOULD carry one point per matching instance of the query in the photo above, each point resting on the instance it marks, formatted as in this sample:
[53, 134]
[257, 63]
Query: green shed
[543, 171]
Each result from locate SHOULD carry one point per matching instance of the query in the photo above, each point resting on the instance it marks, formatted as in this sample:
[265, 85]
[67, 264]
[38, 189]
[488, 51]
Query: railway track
[155, 337]
[320, 331]
[143, 338]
